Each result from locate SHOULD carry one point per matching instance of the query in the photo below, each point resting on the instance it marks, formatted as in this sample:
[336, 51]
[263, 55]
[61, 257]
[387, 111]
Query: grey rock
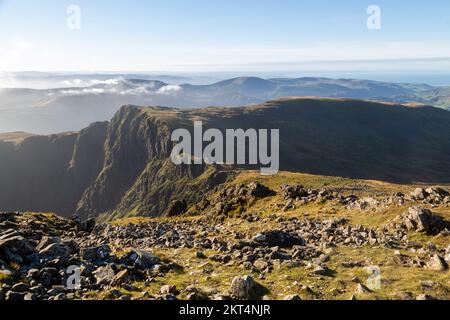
[279, 239]
[169, 289]
[17, 244]
[437, 263]
[419, 194]
[46, 241]
[422, 220]
[104, 275]
[55, 250]
[246, 288]
[261, 264]
[122, 277]
[96, 255]
[322, 271]
[141, 259]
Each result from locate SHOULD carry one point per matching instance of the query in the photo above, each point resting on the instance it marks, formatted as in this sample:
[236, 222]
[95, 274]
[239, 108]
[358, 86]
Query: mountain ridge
[123, 167]
[73, 108]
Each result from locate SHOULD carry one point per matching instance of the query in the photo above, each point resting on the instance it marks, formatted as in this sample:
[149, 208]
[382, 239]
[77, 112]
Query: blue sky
[147, 35]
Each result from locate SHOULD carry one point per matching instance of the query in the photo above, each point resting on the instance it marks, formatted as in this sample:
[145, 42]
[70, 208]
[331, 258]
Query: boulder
[104, 275]
[122, 277]
[422, 220]
[194, 294]
[141, 259]
[56, 250]
[279, 239]
[419, 194]
[437, 263]
[259, 191]
[46, 241]
[246, 288]
[365, 204]
[261, 264]
[169, 289]
[96, 255]
[293, 192]
[438, 192]
[322, 271]
[17, 244]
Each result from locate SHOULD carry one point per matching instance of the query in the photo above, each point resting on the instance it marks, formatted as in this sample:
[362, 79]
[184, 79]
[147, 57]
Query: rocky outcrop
[232, 200]
[433, 195]
[423, 220]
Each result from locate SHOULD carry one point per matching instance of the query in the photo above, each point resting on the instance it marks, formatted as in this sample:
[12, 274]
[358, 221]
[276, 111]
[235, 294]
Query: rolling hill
[73, 108]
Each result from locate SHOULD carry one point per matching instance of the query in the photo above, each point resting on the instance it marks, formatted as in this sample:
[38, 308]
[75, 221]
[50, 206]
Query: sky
[223, 35]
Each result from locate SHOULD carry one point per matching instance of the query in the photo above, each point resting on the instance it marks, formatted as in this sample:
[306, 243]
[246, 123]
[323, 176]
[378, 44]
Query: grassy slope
[287, 280]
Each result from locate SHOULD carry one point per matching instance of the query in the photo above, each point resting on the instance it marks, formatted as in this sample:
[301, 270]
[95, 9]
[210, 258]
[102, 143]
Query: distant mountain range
[122, 167]
[85, 101]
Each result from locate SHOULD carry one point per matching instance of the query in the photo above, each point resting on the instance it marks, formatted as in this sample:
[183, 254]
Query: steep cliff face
[36, 173]
[137, 176]
[49, 173]
[123, 167]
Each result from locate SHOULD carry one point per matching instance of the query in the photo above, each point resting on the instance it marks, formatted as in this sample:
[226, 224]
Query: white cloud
[92, 82]
[73, 92]
[170, 89]
[118, 86]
